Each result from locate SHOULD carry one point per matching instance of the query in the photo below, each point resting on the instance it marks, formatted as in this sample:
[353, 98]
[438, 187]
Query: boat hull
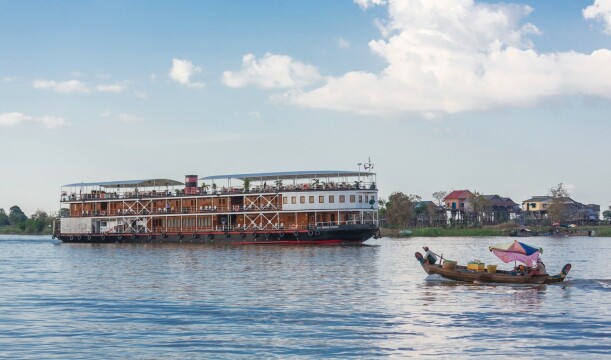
[461, 273]
[331, 235]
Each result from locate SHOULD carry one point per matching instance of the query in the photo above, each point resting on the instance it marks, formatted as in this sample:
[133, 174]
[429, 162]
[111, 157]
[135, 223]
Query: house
[457, 204]
[575, 212]
[459, 200]
[499, 209]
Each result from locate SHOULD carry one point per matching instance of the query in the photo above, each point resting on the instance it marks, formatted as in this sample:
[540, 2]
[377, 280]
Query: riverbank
[599, 231]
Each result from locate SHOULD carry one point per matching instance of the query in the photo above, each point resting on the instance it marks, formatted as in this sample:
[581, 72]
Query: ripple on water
[169, 301]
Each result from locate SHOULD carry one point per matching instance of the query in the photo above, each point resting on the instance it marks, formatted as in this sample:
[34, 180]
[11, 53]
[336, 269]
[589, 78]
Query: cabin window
[302, 199]
[311, 199]
[321, 199]
[342, 198]
[331, 198]
[366, 198]
[285, 200]
[293, 199]
[352, 198]
[360, 198]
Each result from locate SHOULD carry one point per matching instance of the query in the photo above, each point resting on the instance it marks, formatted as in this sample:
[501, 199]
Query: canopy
[290, 175]
[129, 183]
[516, 251]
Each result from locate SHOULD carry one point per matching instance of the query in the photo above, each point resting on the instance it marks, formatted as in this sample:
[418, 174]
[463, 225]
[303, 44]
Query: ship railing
[102, 195]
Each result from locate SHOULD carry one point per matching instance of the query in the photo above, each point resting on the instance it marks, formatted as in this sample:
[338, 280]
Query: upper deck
[230, 185]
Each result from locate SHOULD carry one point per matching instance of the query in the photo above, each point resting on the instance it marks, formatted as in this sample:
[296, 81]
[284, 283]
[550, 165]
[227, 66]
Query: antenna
[368, 165]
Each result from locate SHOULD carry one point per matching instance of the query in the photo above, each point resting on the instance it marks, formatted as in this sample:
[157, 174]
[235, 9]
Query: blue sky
[509, 98]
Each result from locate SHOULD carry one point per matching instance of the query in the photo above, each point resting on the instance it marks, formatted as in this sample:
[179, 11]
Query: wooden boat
[461, 273]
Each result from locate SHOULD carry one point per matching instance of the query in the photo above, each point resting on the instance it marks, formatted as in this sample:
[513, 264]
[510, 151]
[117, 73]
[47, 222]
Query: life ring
[310, 232]
[119, 237]
[103, 237]
[317, 233]
[88, 237]
[281, 234]
[180, 236]
[150, 237]
[296, 233]
[132, 236]
[71, 237]
[164, 235]
[227, 234]
[267, 235]
[195, 235]
[210, 236]
[78, 237]
[53, 236]
[242, 235]
[255, 234]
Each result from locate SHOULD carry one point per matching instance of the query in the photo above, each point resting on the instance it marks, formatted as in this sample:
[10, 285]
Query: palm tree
[246, 184]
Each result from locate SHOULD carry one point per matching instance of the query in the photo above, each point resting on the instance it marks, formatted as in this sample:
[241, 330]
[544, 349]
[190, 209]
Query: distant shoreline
[600, 231]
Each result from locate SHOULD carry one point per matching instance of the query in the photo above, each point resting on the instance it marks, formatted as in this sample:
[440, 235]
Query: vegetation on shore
[16, 222]
[496, 230]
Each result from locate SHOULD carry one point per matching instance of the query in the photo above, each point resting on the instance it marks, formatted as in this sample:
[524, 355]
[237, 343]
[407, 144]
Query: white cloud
[183, 70]
[129, 118]
[342, 43]
[449, 56]
[15, 118]
[117, 87]
[272, 71]
[62, 86]
[365, 4]
[600, 10]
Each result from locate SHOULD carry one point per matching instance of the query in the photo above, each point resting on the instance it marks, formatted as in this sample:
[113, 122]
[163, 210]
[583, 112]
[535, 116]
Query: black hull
[337, 235]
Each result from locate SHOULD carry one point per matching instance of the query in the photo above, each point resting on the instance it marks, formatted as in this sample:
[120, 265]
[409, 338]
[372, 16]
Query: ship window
[331, 198]
[321, 199]
[293, 199]
[352, 198]
[285, 200]
[302, 199]
[311, 199]
[360, 198]
[342, 198]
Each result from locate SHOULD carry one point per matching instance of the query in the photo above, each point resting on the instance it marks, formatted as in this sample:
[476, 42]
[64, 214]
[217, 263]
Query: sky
[507, 98]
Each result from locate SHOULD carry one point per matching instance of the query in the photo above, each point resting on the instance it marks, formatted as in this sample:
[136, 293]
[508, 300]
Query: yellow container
[492, 269]
[476, 266]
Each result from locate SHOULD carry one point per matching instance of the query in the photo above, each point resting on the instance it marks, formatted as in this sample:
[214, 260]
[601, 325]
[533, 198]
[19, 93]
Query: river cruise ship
[298, 207]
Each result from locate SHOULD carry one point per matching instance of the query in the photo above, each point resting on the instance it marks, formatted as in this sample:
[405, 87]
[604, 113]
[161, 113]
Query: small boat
[515, 251]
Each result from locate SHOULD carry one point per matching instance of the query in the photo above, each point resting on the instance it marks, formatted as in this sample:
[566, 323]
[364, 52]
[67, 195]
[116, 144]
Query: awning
[290, 175]
[129, 183]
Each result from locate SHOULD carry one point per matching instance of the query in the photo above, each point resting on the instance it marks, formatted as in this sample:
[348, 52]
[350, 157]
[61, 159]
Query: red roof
[459, 194]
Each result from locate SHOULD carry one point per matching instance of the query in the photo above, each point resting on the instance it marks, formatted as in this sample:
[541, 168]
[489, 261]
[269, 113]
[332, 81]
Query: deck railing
[102, 195]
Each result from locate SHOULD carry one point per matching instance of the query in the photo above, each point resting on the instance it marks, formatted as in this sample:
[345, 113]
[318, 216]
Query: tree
[4, 218]
[606, 214]
[16, 216]
[246, 184]
[557, 211]
[400, 209]
[439, 196]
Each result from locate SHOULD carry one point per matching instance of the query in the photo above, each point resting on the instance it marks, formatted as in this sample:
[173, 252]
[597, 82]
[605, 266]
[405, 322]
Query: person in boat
[429, 257]
[538, 269]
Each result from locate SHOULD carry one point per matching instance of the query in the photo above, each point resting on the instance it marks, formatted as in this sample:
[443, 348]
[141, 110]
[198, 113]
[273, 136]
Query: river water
[114, 301]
